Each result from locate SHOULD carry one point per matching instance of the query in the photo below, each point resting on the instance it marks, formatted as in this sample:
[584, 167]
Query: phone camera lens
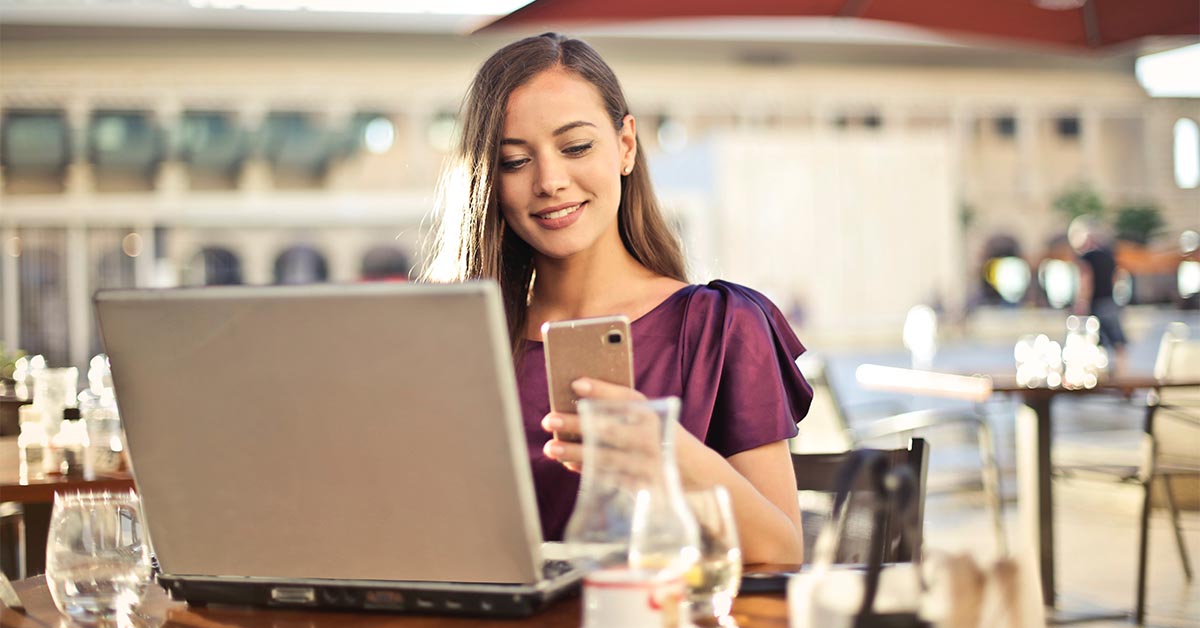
[613, 337]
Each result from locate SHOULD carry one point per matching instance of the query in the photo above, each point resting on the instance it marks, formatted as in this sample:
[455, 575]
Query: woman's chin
[559, 251]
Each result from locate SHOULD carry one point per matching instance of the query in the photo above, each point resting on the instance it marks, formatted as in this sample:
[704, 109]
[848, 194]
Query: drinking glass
[97, 557]
[713, 586]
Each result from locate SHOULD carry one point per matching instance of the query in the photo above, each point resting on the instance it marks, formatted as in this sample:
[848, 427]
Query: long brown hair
[472, 239]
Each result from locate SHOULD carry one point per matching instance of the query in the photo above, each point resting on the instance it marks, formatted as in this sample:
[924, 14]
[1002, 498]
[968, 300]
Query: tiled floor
[1096, 521]
[1096, 535]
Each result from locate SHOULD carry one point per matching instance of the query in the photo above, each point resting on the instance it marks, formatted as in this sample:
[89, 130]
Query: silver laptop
[331, 446]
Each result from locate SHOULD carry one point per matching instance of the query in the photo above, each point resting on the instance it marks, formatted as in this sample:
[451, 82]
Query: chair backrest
[1175, 332]
[819, 472]
[1177, 422]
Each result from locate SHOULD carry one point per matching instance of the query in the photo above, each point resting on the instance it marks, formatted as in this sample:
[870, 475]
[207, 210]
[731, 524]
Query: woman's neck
[598, 282]
[604, 280]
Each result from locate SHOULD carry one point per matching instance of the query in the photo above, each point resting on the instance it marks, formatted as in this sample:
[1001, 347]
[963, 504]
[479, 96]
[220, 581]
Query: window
[41, 272]
[34, 145]
[370, 131]
[214, 266]
[299, 151]
[1006, 126]
[865, 120]
[1187, 153]
[442, 132]
[385, 263]
[125, 146]
[213, 147]
[1067, 127]
[300, 264]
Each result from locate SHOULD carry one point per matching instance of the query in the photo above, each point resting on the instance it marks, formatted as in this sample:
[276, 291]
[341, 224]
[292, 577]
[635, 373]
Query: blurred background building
[849, 170]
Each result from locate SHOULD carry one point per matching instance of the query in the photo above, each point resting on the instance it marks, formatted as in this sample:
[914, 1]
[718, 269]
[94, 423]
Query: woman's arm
[762, 487]
[760, 481]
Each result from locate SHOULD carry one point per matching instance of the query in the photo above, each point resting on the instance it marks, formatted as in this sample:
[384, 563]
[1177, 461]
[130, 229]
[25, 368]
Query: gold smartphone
[597, 348]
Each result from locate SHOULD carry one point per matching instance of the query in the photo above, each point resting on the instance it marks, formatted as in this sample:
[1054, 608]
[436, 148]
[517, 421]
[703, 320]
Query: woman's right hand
[625, 448]
[568, 452]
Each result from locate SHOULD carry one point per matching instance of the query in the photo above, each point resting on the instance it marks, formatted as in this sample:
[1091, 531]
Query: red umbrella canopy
[1087, 24]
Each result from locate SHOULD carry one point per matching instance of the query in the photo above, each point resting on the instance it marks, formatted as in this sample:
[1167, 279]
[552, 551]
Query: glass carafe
[630, 507]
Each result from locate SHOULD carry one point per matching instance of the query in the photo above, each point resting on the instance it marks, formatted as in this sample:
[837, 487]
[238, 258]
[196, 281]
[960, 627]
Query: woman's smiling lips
[559, 216]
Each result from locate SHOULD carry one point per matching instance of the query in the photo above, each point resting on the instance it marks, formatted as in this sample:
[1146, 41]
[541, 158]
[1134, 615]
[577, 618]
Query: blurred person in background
[1097, 275]
[549, 196]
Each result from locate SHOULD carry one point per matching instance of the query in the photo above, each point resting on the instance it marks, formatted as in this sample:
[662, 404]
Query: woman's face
[560, 165]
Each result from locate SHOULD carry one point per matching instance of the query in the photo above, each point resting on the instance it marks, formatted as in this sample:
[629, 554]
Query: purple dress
[726, 351]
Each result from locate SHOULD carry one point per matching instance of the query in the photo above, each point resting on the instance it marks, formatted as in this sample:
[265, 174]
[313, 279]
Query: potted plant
[1079, 200]
[1138, 222]
[8, 364]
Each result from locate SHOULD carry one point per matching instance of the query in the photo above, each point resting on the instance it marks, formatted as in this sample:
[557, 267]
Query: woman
[550, 198]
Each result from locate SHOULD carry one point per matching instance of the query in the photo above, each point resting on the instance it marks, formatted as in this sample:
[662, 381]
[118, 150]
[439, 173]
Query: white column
[172, 181]
[1091, 144]
[335, 119]
[182, 247]
[343, 250]
[1027, 148]
[144, 264]
[960, 126]
[255, 177]
[9, 287]
[257, 252]
[419, 159]
[893, 118]
[961, 136]
[1157, 143]
[79, 309]
[823, 115]
[1, 169]
[80, 181]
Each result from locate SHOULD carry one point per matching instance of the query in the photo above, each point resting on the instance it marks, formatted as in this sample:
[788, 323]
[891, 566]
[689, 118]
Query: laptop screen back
[332, 431]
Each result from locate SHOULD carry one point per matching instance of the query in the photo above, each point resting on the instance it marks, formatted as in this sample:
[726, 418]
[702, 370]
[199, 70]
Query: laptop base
[417, 597]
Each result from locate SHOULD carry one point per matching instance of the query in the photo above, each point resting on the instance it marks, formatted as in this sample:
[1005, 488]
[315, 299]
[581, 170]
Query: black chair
[818, 473]
[886, 421]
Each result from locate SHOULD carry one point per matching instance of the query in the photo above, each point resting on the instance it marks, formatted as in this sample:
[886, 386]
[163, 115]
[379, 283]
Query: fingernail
[581, 386]
[553, 449]
[552, 423]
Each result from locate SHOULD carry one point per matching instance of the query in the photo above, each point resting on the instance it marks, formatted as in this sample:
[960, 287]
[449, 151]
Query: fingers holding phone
[628, 449]
[568, 452]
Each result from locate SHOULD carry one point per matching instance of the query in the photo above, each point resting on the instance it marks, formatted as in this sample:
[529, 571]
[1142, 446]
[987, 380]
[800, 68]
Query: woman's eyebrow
[559, 131]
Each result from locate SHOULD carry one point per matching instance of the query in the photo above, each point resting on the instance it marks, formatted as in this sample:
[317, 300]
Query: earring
[627, 170]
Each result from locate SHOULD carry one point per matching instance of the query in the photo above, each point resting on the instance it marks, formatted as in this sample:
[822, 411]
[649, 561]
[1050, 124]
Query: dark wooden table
[1034, 440]
[751, 611]
[9, 417]
[37, 496]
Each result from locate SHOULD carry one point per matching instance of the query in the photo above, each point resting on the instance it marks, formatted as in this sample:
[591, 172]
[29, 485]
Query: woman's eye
[513, 164]
[578, 149]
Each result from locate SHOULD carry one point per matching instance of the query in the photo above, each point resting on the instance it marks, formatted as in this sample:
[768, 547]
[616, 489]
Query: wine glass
[712, 587]
[97, 557]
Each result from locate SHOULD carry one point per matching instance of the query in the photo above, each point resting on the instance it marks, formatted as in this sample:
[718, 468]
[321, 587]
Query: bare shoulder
[650, 295]
[665, 287]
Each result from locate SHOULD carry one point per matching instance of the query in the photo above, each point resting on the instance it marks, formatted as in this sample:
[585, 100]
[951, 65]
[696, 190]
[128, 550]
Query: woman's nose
[551, 177]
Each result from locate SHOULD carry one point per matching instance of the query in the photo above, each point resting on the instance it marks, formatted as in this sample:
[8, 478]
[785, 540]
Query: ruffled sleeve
[742, 388]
